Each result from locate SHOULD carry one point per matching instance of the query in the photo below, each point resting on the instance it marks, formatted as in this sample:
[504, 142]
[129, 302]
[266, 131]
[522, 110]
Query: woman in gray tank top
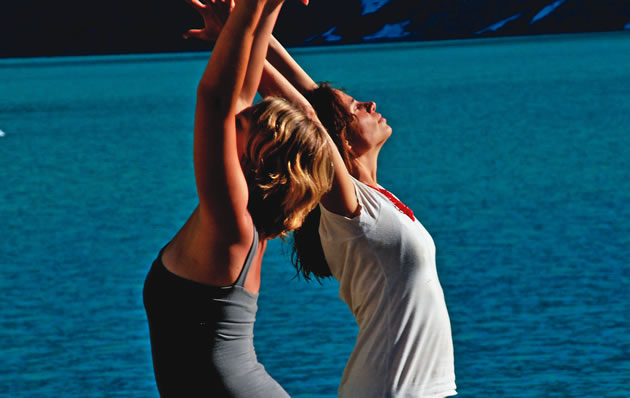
[201, 292]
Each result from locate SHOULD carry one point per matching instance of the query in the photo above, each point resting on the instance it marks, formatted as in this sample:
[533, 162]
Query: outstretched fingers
[195, 33]
[214, 13]
[232, 2]
[197, 4]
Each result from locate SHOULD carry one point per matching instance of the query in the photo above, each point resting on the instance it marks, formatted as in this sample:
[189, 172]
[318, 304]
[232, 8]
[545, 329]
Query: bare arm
[280, 58]
[221, 185]
[259, 52]
[341, 199]
[273, 83]
[284, 77]
[290, 82]
[215, 15]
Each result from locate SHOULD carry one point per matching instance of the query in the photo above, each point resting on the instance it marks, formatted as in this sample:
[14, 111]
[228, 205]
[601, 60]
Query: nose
[370, 106]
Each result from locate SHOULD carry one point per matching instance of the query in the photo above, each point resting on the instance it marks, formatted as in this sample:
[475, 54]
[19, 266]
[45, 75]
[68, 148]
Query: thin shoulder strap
[248, 261]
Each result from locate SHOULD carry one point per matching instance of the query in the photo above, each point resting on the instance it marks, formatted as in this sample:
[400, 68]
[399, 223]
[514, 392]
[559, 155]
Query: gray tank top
[202, 336]
[235, 304]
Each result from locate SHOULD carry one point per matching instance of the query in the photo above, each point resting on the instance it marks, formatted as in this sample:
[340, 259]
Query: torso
[385, 264]
[199, 255]
[202, 335]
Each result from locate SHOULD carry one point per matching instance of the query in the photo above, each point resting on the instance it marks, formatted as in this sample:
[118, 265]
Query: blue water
[514, 153]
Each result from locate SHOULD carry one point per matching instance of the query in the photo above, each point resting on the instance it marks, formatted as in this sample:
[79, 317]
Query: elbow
[311, 114]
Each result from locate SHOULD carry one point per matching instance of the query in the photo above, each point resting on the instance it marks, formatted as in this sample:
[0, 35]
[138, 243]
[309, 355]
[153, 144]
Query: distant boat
[1, 133]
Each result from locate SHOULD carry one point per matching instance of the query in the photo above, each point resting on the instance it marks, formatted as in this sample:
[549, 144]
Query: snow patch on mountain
[546, 11]
[390, 31]
[370, 6]
[498, 25]
[328, 36]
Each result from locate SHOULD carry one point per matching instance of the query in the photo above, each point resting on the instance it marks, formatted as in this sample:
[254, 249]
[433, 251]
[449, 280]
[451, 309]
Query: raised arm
[215, 15]
[280, 58]
[341, 199]
[283, 77]
[257, 57]
[221, 185]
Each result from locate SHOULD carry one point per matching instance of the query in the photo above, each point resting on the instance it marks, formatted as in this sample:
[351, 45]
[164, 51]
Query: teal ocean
[514, 153]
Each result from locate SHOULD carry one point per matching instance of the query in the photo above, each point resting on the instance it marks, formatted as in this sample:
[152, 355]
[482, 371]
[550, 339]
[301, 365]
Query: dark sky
[72, 27]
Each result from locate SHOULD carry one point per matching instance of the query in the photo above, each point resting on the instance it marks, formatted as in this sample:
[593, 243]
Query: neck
[364, 168]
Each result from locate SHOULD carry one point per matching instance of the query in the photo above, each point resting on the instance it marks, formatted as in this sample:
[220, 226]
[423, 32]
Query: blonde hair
[288, 166]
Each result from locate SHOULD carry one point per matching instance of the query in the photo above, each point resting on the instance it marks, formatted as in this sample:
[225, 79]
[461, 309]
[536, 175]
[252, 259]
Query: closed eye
[354, 106]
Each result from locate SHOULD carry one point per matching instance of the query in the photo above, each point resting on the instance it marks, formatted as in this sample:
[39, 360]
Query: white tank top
[385, 265]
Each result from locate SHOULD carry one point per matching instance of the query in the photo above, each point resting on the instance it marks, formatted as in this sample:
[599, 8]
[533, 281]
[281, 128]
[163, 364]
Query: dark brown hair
[308, 255]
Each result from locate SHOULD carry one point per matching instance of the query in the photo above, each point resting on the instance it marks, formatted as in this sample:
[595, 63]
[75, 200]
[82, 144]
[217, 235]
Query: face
[370, 129]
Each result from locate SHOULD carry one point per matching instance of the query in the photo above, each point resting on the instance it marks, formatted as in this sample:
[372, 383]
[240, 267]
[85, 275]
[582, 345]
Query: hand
[214, 14]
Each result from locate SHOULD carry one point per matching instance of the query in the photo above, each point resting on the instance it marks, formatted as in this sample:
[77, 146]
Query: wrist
[271, 6]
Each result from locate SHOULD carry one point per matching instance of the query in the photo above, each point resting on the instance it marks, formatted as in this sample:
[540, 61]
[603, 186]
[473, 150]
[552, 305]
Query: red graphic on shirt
[397, 203]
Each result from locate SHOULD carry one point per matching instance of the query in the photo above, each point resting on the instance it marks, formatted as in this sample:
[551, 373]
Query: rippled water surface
[515, 154]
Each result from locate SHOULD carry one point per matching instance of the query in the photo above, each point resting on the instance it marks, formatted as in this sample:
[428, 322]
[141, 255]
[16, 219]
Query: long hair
[308, 255]
[288, 167]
